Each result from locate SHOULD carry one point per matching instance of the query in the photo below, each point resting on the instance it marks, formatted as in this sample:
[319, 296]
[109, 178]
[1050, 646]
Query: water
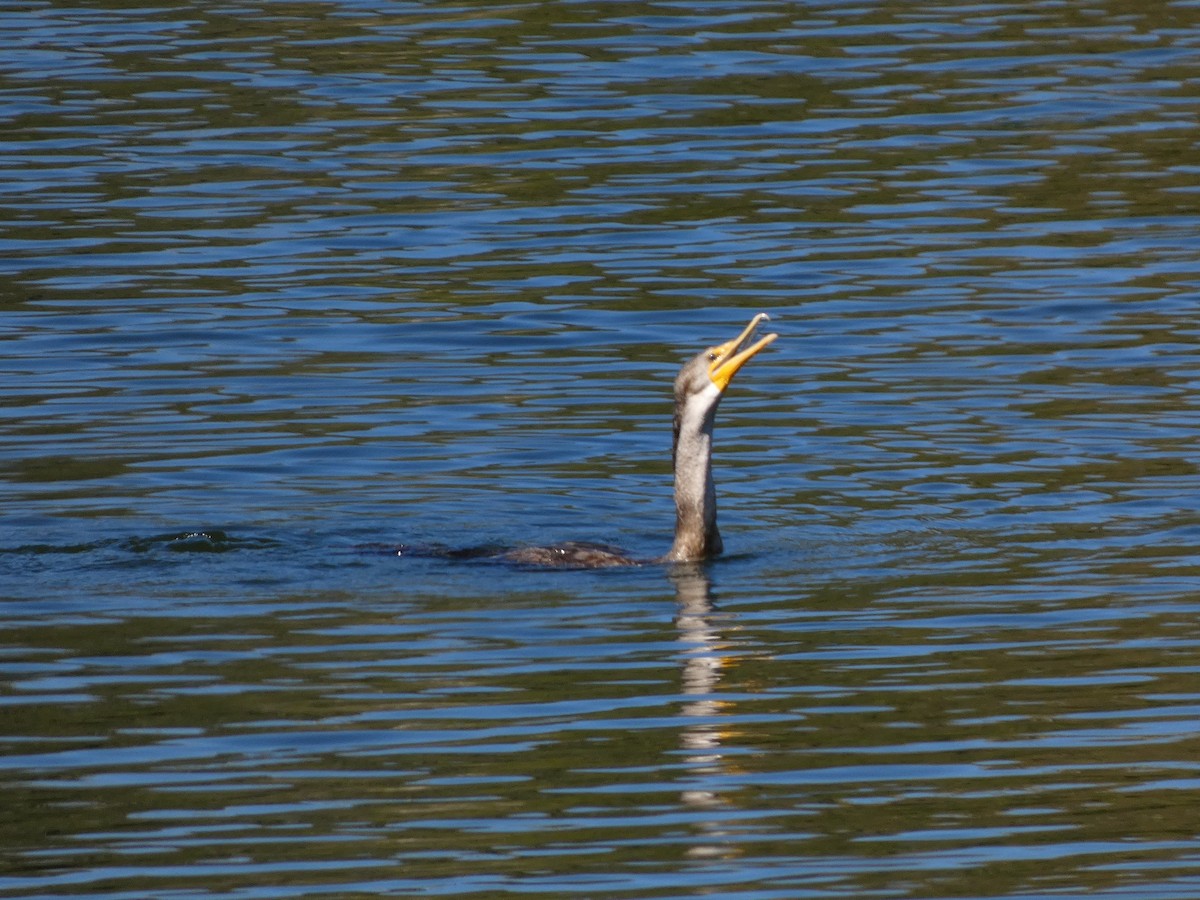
[287, 284]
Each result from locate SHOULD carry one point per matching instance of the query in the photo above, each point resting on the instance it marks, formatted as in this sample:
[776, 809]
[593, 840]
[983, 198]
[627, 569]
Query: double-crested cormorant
[698, 390]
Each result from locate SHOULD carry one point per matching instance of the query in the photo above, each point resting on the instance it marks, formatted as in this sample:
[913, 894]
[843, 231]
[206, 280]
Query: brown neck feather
[696, 534]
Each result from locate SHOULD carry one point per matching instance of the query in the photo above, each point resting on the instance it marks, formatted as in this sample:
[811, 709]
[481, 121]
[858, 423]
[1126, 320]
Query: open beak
[729, 357]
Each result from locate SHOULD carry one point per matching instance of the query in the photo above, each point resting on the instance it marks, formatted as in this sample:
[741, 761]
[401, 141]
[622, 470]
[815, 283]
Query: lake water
[295, 293]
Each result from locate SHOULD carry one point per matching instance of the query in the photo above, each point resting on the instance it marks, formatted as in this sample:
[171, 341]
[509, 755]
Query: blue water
[297, 299]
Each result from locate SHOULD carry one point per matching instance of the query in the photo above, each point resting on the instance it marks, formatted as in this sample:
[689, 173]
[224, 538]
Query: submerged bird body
[698, 390]
[571, 555]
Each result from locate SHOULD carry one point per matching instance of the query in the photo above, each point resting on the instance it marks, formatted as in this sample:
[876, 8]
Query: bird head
[711, 370]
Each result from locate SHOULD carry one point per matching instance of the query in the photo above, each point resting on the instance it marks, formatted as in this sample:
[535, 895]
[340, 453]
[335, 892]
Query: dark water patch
[213, 541]
[429, 551]
[209, 541]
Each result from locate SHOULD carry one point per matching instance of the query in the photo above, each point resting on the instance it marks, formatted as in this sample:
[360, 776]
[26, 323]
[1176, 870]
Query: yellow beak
[727, 359]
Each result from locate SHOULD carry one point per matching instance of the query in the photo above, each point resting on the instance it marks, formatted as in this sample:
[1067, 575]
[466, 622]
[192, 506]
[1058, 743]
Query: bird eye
[712, 355]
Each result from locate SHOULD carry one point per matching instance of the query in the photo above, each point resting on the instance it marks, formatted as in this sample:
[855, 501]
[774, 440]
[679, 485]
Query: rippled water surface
[299, 296]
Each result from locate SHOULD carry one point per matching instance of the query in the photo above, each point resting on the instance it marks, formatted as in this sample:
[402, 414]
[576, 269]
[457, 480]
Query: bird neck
[696, 534]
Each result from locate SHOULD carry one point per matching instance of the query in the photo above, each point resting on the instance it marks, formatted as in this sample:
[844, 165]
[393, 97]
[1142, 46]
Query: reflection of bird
[698, 390]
